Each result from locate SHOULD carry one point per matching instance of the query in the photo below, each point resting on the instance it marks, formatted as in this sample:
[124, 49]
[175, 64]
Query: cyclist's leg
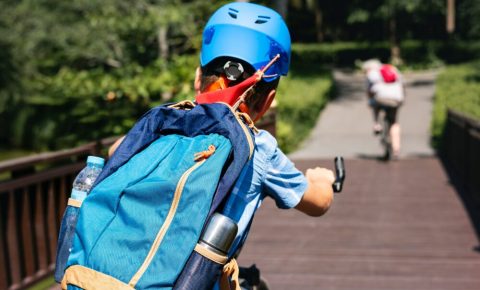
[394, 130]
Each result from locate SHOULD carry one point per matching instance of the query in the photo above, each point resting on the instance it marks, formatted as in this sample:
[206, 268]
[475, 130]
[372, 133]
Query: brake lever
[340, 174]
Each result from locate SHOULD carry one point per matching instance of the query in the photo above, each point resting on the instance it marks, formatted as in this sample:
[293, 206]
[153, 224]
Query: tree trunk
[163, 50]
[318, 21]
[281, 6]
[394, 45]
[450, 16]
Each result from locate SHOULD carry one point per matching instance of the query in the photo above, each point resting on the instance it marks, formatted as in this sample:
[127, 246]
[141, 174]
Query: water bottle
[219, 234]
[81, 187]
[201, 273]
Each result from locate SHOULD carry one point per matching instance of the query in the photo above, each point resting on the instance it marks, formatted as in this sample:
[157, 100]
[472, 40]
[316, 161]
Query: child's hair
[211, 73]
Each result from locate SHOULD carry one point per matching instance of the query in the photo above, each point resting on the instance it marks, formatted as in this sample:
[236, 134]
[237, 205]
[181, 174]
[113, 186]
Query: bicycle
[250, 278]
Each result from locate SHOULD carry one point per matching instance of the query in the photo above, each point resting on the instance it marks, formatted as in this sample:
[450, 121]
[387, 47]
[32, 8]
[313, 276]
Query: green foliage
[339, 53]
[416, 54]
[72, 72]
[75, 71]
[468, 15]
[458, 88]
[360, 20]
[301, 96]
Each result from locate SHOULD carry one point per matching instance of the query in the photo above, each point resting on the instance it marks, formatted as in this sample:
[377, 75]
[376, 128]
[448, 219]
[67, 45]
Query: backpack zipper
[168, 220]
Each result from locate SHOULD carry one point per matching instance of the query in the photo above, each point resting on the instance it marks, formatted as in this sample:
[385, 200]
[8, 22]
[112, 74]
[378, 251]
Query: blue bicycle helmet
[249, 32]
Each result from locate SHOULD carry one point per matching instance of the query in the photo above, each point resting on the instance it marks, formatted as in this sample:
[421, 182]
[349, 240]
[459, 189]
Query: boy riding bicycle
[239, 40]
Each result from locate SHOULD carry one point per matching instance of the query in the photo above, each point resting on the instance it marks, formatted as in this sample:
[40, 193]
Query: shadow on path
[470, 204]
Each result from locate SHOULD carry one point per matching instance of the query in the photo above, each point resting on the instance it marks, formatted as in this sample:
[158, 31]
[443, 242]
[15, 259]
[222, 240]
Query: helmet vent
[262, 19]
[233, 13]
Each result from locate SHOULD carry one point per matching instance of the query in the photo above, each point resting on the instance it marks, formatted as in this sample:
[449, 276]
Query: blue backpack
[138, 227]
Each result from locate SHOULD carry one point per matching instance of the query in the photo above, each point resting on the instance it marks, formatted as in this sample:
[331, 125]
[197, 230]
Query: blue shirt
[268, 173]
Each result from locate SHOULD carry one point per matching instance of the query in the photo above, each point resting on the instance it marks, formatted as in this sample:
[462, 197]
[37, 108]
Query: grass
[301, 96]
[44, 284]
[458, 88]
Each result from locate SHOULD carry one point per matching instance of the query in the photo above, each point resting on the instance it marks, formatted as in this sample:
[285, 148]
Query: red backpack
[389, 73]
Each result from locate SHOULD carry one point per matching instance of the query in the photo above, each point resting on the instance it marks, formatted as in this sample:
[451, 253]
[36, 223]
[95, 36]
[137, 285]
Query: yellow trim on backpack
[186, 105]
[168, 220]
[251, 145]
[247, 134]
[244, 127]
[204, 251]
[74, 202]
[90, 279]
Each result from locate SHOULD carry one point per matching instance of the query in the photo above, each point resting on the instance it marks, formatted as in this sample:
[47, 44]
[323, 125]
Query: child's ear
[266, 105]
[197, 84]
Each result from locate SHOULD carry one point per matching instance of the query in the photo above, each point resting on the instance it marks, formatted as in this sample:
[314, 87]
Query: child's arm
[319, 194]
[114, 146]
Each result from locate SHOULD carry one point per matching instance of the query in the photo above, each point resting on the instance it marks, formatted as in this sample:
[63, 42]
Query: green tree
[75, 71]
[399, 16]
[468, 16]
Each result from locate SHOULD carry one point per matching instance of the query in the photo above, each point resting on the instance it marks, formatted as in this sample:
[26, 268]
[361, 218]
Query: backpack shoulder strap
[187, 119]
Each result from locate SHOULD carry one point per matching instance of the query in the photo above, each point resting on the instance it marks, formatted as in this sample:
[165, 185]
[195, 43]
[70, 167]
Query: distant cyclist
[386, 92]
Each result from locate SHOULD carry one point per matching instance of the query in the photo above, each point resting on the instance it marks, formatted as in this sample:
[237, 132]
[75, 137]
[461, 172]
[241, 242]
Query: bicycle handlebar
[340, 174]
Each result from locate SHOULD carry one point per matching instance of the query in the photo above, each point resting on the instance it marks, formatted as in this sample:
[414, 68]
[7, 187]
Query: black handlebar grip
[340, 174]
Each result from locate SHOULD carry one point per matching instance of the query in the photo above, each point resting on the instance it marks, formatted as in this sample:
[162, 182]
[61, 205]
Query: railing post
[3, 257]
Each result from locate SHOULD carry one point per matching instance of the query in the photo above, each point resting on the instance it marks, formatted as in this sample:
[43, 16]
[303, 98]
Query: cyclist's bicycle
[386, 116]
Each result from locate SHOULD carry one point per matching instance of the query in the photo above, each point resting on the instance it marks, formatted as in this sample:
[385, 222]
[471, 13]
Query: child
[239, 39]
[385, 91]
[236, 43]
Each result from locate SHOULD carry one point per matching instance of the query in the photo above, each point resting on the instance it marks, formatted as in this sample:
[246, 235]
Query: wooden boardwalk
[398, 225]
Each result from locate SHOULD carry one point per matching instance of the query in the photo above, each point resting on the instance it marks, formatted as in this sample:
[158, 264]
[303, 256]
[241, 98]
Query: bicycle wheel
[386, 141]
[262, 285]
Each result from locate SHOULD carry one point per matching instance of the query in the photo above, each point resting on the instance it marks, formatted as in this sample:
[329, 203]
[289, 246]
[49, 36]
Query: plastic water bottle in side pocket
[81, 187]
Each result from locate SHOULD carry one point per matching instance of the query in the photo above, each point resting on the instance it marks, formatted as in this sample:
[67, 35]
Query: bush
[415, 54]
[74, 72]
[339, 54]
[458, 88]
[74, 107]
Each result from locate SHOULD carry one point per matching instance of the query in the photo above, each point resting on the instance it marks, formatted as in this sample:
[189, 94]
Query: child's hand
[319, 195]
[320, 175]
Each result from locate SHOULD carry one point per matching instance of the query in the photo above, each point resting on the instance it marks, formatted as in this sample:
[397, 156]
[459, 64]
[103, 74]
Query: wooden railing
[461, 149]
[33, 195]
